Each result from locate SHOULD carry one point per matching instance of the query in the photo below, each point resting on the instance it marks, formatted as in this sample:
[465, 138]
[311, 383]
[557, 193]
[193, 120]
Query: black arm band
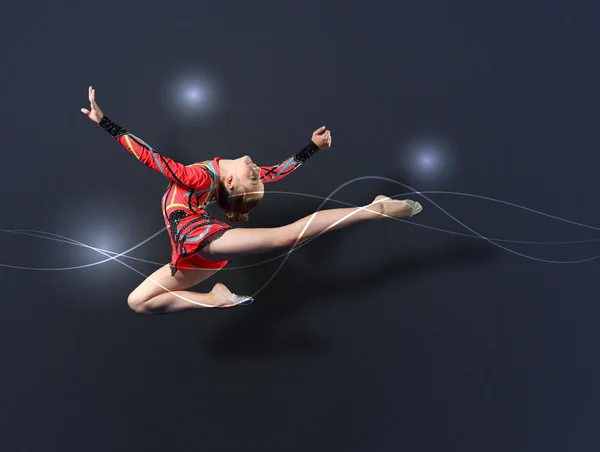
[114, 129]
[306, 152]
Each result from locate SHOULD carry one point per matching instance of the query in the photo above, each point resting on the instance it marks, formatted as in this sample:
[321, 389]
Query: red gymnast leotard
[191, 188]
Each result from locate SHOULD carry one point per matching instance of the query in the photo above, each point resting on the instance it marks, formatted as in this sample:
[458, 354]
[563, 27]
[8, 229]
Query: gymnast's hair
[237, 203]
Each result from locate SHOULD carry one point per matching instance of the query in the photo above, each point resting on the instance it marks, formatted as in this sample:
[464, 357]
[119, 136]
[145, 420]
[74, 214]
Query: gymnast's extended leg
[235, 243]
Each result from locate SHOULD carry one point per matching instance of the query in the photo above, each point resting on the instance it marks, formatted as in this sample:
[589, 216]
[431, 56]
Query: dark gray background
[381, 337]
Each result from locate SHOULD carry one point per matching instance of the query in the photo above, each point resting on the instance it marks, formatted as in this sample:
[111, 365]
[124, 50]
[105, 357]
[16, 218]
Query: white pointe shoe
[242, 300]
[415, 207]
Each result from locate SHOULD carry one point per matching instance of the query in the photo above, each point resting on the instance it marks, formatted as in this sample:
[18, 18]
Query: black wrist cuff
[306, 152]
[114, 129]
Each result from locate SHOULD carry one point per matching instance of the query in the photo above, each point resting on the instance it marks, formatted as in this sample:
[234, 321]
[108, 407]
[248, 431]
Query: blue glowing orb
[426, 159]
[192, 95]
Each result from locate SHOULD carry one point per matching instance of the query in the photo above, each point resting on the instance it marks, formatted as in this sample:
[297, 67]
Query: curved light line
[299, 244]
[64, 239]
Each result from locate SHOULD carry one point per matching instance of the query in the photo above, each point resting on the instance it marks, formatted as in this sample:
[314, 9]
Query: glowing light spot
[191, 94]
[426, 159]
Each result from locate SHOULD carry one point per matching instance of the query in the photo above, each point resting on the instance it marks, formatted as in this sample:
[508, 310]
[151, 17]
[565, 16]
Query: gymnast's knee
[138, 304]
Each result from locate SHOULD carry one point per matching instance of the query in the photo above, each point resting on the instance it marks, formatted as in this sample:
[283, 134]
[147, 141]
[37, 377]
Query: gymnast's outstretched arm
[321, 139]
[191, 177]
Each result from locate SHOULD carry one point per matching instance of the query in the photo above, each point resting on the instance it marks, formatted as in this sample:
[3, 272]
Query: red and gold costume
[191, 188]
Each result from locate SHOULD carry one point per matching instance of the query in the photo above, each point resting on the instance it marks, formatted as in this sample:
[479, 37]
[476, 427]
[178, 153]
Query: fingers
[320, 130]
[85, 111]
[92, 95]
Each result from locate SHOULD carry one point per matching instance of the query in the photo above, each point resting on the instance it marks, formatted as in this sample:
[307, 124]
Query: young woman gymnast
[201, 244]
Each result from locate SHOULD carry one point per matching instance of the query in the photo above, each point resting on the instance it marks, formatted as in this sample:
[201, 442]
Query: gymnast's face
[247, 174]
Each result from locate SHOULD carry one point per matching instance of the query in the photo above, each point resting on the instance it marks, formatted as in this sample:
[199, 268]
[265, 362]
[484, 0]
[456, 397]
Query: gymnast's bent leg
[162, 293]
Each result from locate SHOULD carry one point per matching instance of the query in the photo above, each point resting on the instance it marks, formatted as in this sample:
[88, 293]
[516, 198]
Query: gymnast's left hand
[95, 114]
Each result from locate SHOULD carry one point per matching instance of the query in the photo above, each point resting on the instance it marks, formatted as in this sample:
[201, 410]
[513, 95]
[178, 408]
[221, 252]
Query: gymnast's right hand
[95, 114]
[322, 138]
